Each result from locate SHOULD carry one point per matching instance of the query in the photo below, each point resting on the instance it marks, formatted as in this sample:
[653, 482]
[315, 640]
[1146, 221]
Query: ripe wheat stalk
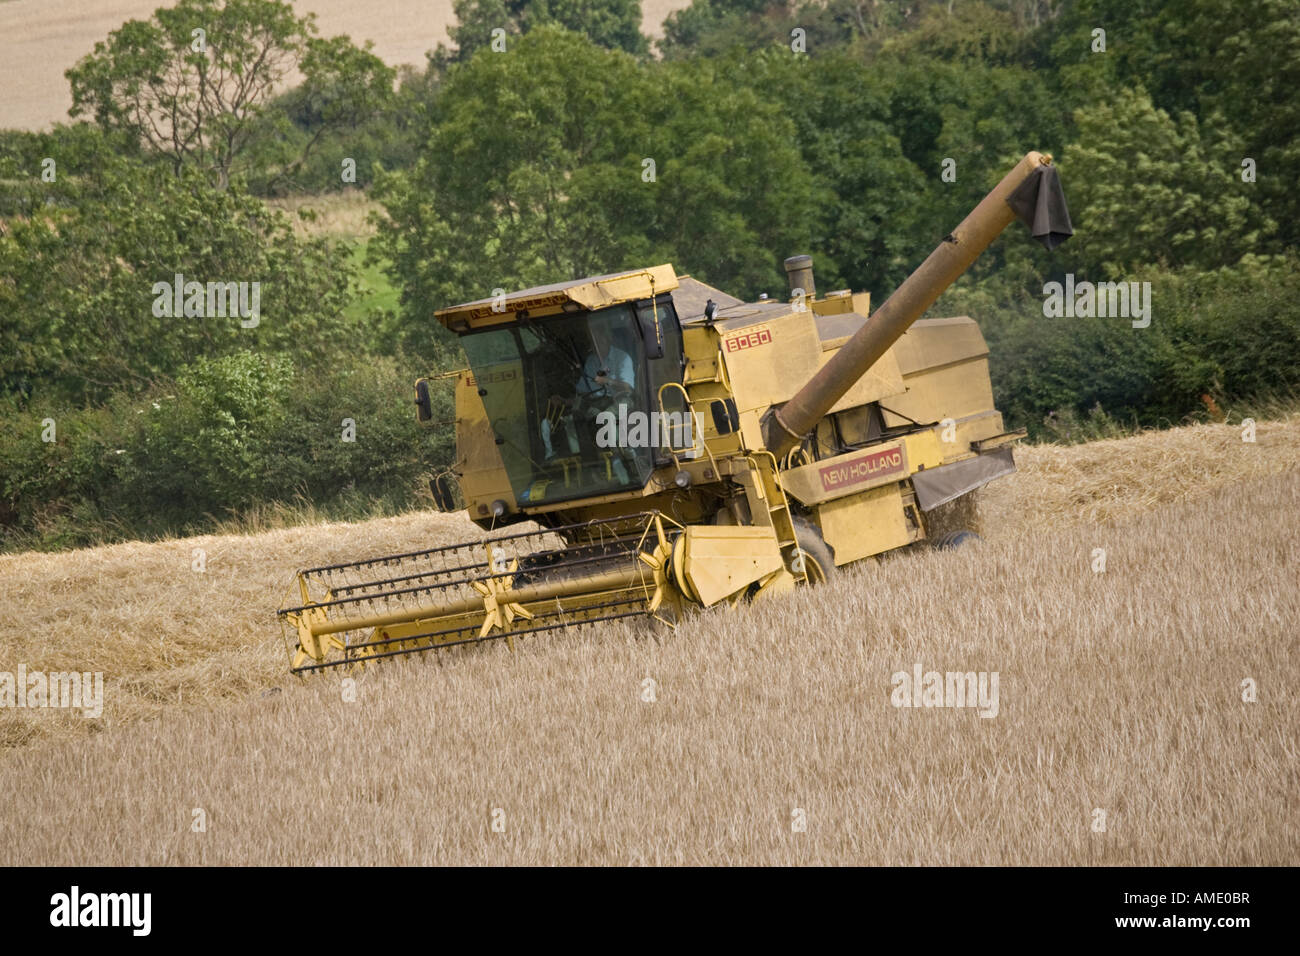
[1120, 691]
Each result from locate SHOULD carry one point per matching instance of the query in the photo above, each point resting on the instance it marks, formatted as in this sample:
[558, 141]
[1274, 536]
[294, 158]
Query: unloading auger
[664, 445]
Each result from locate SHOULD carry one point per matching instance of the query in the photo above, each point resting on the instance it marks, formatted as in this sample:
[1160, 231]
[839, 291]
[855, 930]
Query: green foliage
[712, 27]
[1234, 65]
[867, 199]
[1150, 189]
[1247, 60]
[732, 193]
[295, 152]
[211, 441]
[228, 435]
[78, 307]
[1231, 335]
[535, 170]
[23, 157]
[193, 82]
[967, 34]
[612, 24]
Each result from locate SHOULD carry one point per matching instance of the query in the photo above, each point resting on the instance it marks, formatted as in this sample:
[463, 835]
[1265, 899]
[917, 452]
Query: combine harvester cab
[669, 446]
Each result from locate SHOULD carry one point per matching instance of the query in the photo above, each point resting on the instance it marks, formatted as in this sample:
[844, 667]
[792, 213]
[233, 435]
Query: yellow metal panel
[881, 381]
[483, 474]
[596, 292]
[721, 560]
[627, 287]
[924, 450]
[768, 361]
[699, 343]
[704, 369]
[834, 303]
[864, 524]
[954, 391]
[934, 342]
[944, 364]
[751, 429]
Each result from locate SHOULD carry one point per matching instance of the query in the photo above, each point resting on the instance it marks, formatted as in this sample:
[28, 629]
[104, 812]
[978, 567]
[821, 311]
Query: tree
[867, 202]
[1243, 62]
[563, 160]
[709, 27]
[1239, 60]
[79, 312]
[973, 34]
[612, 24]
[734, 194]
[194, 81]
[1148, 188]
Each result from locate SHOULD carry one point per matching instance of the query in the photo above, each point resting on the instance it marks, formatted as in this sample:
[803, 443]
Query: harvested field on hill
[1119, 692]
[170, 638]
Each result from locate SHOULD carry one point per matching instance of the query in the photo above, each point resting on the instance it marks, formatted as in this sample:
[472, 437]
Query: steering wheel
[590, 404]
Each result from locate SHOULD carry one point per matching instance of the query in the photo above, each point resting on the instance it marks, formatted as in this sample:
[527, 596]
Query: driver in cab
[608, 372]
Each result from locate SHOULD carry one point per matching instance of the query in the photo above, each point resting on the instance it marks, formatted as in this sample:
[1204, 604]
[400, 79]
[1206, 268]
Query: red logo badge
[868, 467]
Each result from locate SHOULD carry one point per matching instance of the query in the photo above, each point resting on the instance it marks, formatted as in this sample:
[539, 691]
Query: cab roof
[576, 295]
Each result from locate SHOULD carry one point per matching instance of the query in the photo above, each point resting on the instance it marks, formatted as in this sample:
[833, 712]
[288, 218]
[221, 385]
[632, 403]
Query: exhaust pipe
[799, 271]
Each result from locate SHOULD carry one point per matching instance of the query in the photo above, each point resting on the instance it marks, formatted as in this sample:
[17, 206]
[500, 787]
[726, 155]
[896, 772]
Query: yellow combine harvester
[669, 446]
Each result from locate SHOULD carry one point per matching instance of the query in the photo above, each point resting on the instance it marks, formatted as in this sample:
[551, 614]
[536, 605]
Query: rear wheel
[819, 559]
[955, 539]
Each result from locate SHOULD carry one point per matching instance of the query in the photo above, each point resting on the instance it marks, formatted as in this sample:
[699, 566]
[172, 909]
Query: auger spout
[1031, 192]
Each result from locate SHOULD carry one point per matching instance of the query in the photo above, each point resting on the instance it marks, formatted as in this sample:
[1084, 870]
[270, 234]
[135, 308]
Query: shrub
[230, 434]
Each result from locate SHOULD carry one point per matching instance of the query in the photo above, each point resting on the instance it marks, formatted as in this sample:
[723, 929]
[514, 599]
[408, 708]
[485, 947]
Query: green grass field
[377, 292]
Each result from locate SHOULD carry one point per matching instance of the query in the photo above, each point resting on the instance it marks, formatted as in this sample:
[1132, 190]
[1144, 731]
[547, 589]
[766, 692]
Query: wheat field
[770, 738]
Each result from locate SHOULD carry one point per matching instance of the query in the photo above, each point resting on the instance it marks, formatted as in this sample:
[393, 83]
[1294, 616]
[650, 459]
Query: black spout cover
[1039, 202]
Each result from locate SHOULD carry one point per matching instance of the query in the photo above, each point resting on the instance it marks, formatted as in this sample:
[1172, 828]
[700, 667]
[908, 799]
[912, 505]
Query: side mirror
[726, 418]
[423, 403]
[444, 495]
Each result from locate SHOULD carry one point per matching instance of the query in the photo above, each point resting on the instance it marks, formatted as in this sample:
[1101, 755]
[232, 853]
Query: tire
[951, 540]
[819, 559]
[960, 514]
